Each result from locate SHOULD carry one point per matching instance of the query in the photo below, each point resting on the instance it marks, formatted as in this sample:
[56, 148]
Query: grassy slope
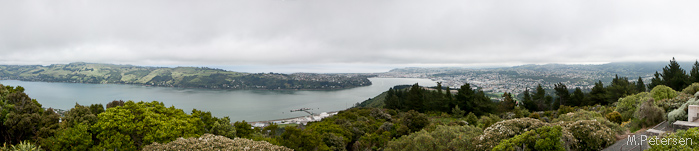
[178, 77]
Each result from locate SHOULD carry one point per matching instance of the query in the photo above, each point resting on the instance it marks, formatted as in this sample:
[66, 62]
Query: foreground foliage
[209, 142]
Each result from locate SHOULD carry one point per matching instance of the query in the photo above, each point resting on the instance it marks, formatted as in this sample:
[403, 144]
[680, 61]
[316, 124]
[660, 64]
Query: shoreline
[295, 120]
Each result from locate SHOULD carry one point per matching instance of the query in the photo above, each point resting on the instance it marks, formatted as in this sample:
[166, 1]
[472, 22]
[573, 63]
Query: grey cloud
[283, 32]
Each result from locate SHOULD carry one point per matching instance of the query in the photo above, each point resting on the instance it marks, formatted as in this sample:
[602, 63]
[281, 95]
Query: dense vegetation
[189, 77]
[411, 118]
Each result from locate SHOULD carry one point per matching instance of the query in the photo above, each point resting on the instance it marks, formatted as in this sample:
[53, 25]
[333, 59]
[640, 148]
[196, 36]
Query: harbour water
[249, 105]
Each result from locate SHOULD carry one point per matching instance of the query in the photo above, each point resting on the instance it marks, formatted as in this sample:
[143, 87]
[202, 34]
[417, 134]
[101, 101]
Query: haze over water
[249, 105]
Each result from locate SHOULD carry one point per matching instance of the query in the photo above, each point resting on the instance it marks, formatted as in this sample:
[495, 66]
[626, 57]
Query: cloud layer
[365, 32]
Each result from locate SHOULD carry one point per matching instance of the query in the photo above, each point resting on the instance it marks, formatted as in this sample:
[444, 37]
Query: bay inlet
[248, 105]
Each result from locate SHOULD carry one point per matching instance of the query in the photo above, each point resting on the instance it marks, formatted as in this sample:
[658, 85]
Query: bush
[506, 129]
[681, 112]
[486, 121]
[564, 110]
[591, 135]
[614, 117]
[692, 133]
[650, 114]
[442, 138]
[674, 103]
[534, 115]
[544, 138]
[627, 105]
[588, 115]
[661, 92]
[210, 142]
[691, 89]
[472, 119]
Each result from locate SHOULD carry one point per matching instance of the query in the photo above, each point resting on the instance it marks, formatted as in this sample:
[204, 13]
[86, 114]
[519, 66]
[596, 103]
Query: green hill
[189, 77]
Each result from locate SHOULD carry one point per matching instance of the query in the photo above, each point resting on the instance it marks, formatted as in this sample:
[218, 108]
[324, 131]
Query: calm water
[249, 105]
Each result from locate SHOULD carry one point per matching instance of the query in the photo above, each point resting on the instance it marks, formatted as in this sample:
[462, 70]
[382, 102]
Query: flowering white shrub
[209, 142]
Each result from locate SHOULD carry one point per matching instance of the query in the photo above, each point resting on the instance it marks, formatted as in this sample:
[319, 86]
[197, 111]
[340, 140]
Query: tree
[619, 88]
[655, 81]
[243, 129]
[77, 137]
[562, 93]
[134, 125]
[507, 103]
[540, 99]
[694, 73]
[529, 104]
[416, 100]
[392, 100]
[598, 94]
[640, 87]
[578, 97]
[96, 108]
[674, 76]
[79, 114]
[23, 119]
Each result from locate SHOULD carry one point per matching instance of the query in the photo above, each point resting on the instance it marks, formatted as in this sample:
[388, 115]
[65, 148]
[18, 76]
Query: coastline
[295, 120]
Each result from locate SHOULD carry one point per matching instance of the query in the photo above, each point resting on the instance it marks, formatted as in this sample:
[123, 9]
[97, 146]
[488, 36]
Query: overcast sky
[346, 35]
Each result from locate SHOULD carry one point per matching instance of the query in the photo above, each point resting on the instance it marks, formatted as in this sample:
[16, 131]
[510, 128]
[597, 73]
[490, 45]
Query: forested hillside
[190, 77]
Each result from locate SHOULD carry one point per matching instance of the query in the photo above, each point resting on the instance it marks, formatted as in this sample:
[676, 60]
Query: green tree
[96, 109]
[134, 125]
[562, 93]
[416, 100]
[528, 102]
[79, 114]
[578, 97]
[640, 87]
[243, 129]
[657, 80]
[507, 103]
[540, 99]
[619, 88]
[598, 94]
[458, 113]
[674, 76]
[694, 73]
[77, 137]
[392, 100]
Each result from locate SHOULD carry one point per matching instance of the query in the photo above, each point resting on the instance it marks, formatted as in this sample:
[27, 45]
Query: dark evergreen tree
[640, 86]
[539, 99]
[529, 104]
[657, 80]
[598, 94]
[674, 76]
[578, 97]
[562, 93]
[507, 103]
[415, 99]
[619, 88]
[694, 73]
[392, 101]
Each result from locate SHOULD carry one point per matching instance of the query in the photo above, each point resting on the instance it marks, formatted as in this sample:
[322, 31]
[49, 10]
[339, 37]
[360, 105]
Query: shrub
[564, 110]
[506, 129]
[627, 105]
[681, 112]
[458, 113]
[650, 114]
[543, 138]
[486, 121]
[691, 89]
[442, 138]
[661, 92]
[210, 142]
[472, 119]
[534, 115]
[591, 135]
[614, 117]
[588, 115]
[674, 103]
[692, 133]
